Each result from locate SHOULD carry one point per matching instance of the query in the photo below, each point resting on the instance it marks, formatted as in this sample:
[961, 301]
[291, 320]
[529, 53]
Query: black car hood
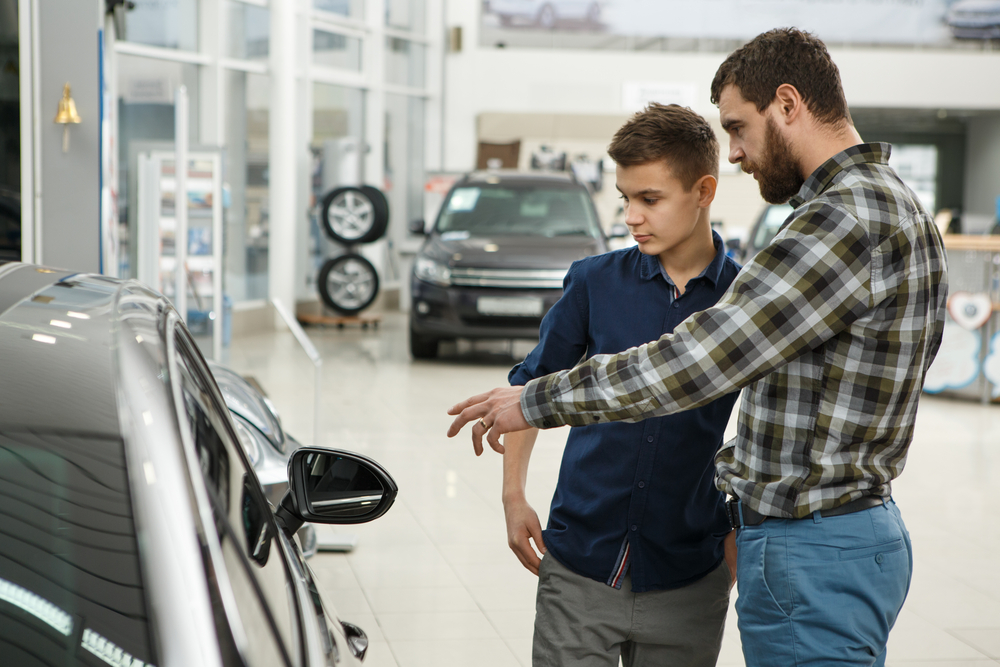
[511, 252]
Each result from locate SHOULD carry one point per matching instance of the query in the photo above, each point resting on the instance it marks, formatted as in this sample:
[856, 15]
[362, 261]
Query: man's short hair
[785, 55]
[675, 134]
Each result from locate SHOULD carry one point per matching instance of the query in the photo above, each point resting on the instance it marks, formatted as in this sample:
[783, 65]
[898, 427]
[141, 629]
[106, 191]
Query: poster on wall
[901, 22]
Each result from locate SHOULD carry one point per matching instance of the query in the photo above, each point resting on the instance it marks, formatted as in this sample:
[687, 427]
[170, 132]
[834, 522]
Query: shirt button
[597, 418]
[635, 527]
[649, 438]
[642, 485]
[546, 423]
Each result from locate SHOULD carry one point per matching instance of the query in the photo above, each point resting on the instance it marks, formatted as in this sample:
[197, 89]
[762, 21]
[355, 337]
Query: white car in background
[975, 19]
[545, 14]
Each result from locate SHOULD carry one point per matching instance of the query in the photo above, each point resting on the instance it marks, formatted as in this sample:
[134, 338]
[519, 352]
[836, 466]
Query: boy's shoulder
[626, 260]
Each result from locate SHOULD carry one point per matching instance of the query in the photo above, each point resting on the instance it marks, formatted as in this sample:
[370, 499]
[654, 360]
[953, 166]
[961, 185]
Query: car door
[263, 612]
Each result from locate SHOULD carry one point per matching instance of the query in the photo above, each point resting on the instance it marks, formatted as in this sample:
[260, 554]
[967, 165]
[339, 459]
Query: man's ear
[706, 186]
[788, 103]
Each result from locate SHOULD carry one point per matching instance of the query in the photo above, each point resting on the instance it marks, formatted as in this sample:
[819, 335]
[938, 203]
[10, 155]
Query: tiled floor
[433, 582]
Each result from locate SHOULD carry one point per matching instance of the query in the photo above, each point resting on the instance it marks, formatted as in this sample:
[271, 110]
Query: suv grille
[512, 278]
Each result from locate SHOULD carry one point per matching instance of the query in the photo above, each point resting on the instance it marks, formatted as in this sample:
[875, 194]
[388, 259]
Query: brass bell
[67, 114]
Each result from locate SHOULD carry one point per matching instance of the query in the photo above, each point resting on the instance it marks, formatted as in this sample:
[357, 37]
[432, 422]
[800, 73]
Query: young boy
[633, 555]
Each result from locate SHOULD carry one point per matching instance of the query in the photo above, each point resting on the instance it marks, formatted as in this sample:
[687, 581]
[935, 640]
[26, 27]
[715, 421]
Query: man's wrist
[534, 404]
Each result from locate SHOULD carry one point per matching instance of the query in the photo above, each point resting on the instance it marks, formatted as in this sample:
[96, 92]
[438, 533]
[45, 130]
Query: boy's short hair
[785, 55]
[674, 134]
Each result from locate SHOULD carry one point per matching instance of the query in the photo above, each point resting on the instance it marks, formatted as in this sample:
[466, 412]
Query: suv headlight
[431, 271]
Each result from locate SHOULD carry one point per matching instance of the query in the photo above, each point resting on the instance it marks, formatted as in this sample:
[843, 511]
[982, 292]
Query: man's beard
[777, 171]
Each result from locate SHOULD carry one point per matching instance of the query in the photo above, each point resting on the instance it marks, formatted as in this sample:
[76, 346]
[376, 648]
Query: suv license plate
[527, 306]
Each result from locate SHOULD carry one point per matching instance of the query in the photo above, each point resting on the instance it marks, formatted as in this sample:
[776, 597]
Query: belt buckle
[733, 512]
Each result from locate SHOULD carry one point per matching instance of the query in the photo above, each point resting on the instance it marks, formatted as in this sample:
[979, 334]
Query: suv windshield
[522, 210]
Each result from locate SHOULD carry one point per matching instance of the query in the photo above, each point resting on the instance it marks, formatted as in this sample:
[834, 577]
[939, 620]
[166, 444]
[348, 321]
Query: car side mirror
[618, 231]
[334, 486]
[417, 227]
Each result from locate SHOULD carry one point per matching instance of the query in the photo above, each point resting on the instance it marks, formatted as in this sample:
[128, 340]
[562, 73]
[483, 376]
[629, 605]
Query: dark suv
[494, 262]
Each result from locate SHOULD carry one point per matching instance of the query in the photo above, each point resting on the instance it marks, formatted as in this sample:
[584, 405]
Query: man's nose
[736, 153]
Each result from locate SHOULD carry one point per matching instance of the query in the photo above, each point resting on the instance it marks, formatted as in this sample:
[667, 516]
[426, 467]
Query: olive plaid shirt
[830, 329]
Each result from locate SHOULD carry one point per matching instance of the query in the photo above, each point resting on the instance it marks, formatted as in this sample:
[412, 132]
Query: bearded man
[830, 330]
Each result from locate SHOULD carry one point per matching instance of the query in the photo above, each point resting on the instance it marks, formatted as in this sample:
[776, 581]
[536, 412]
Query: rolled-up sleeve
[808, 285]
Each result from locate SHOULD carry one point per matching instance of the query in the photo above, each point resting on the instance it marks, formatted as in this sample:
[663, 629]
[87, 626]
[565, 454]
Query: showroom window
[404, 155]
[409, 15]
[353, 9]
[331, 49]
[247, 30]
[145, 89]
[246, 209]
[171, 24]
[405, 62]
[361, 88]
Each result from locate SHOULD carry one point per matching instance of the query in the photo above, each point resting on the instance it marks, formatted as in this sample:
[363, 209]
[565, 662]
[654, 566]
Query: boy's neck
[687, 260]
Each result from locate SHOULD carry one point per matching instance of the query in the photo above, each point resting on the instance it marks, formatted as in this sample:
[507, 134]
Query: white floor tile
[437, 565]
[460, 653]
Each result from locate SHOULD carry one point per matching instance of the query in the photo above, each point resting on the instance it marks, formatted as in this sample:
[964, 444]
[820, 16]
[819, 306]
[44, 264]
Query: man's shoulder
[869, 192]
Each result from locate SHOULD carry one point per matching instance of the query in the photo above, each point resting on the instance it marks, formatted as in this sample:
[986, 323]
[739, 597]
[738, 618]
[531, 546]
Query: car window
[71, 586]
[499, 210]
[243, 520]
[774, 216]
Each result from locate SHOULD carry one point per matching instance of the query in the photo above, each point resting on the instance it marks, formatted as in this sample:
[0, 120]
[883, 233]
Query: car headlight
[249, 442]
[431, 271]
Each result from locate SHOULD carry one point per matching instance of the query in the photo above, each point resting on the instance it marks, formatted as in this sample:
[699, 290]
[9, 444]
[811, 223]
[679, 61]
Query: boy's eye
[650, 201]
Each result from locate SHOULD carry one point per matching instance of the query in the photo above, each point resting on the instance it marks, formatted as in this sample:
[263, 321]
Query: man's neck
[821, 142]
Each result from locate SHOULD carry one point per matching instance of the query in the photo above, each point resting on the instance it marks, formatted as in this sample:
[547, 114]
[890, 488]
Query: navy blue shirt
[637, 496]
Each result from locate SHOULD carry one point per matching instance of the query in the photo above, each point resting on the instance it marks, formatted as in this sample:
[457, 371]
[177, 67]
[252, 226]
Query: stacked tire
[351, 215]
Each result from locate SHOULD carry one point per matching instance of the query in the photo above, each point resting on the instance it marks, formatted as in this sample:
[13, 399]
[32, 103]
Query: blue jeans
[822, 591]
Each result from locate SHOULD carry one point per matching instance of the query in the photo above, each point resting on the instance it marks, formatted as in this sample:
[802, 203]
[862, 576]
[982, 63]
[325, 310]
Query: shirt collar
[651, 267]
[827, 173]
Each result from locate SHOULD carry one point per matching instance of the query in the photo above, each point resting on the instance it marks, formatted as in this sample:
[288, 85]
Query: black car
[134, 529]
[494, 262]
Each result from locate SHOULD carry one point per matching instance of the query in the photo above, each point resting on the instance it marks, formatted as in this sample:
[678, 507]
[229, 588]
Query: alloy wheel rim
[350, 215]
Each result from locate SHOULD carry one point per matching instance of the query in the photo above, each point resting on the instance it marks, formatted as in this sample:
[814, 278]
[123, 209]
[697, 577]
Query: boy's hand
[522, 524]
[729, 544]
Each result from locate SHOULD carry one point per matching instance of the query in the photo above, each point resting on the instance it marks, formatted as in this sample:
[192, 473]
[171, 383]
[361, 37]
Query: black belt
[754, 518]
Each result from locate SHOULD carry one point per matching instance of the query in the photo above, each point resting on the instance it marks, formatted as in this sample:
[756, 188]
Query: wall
[70, 182]
[982, 184]
[554, 81]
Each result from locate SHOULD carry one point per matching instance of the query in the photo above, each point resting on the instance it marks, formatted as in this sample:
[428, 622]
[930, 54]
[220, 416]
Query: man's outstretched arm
[810, 284]
[497, 411]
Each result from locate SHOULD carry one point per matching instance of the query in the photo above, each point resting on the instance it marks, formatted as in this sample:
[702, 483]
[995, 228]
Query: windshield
[528, 210]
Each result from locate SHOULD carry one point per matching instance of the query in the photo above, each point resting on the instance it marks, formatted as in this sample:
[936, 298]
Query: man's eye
[650, 201]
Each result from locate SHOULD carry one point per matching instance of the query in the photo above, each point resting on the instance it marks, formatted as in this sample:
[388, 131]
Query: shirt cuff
[535, 404]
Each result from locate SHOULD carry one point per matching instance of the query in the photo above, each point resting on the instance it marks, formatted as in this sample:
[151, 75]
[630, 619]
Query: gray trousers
[585, 623]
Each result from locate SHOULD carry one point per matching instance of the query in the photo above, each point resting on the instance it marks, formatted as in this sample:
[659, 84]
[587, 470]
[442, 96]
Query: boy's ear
[706, 186]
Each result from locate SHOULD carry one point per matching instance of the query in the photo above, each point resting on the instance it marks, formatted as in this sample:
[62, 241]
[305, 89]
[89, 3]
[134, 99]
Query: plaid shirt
[830, 329]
